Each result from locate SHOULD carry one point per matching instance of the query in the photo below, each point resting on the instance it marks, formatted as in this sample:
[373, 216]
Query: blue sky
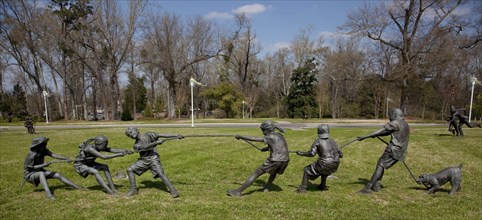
[275, 22]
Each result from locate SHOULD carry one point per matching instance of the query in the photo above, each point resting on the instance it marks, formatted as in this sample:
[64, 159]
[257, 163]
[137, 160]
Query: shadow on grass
[440, 135]
[420, 188]
[311, 186]
[159, 184]
[39, 188]
[361, 181]
[261, 183]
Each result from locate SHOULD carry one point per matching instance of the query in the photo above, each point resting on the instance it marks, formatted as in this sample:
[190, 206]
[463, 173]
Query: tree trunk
[171, 101]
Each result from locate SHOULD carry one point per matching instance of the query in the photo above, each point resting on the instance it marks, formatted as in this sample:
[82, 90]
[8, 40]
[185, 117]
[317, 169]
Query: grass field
[202, 169]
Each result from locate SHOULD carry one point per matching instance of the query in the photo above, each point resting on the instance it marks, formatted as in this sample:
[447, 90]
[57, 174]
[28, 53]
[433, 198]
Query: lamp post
[45, 94]
[388, 100]
[192, 102]
[243, 109]
[472, 97]
[192, 83]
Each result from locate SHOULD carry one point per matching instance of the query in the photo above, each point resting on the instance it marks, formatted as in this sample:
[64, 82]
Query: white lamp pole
[243, 109]
[45, 93]
[388, 100]
[192, 102]
[192, 83]
[472, 97]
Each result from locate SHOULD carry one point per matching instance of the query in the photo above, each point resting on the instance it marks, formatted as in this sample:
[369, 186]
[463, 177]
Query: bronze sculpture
[29, 125]
[145, 144]
[435, 181]
[459, 115]
[276, 162]
[328, 159]
[395, 151]
[34, 165]
[85, 162]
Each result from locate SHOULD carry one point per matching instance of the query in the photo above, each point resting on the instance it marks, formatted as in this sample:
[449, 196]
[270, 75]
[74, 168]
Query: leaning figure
[395, 151]
[328, 159]
[85, 162]
[34, 165]
[459, 115]
[145, 144]
[277, 160]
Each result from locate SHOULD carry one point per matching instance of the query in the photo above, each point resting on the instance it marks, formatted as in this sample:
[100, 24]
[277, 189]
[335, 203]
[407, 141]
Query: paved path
[283, 124]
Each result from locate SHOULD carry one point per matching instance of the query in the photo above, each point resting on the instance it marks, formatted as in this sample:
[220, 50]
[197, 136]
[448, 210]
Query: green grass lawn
[202, 169]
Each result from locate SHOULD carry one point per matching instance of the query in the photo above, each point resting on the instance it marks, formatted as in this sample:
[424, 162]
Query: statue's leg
[461, 131]
[271, 178]
[377, 186]
[132, 182]
[169, 185]
[237, 192]
[322, 185]
[43, 181]
[473, 124]
[377, 175]
[101, 181]
[304, 181]
[66, 181]
[457, 128]
[108, 177]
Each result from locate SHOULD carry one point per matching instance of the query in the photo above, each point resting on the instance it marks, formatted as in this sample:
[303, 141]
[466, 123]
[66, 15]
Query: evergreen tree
[126, 112]
[135, 95]
[18, 104]
[301, 100]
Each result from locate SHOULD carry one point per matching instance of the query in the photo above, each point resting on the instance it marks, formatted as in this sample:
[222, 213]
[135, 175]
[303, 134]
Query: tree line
[72, 58]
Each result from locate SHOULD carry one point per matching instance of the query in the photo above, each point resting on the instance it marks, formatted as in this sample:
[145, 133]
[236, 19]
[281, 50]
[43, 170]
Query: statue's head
[101, 142]
[323, 131]
[395, 114]
[452, 109]
[132, 132]
[39, 142]
[267, 127]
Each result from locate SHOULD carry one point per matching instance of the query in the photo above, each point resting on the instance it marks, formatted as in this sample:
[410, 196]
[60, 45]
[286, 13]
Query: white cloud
[250, 9]
[245, 9]
[331, 37]
[219, 15]
[275, 47]
[281, 45]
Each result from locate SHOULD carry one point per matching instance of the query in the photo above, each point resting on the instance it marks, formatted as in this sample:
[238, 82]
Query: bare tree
[19, 38]
[115, 38]
[176, 47]
[409, 26]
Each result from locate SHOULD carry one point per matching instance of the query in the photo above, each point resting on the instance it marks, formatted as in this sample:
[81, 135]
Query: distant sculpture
[145, 145]
[34, 165]
[452, 124]
[328, 159]
[434, 181]
[459, 115]
[85, 162]
[29, 125]
[276, 162]
[399, 132]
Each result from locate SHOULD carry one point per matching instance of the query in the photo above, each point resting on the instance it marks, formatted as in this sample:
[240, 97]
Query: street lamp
[474, 80]
[192, 83]
[388, 100]
[243, 108]
[46, 94]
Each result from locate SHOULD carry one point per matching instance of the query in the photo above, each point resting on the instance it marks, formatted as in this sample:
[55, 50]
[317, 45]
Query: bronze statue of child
[328, 159]
[85, 162]
[145, 144]
[277, 160]
[34, 165]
